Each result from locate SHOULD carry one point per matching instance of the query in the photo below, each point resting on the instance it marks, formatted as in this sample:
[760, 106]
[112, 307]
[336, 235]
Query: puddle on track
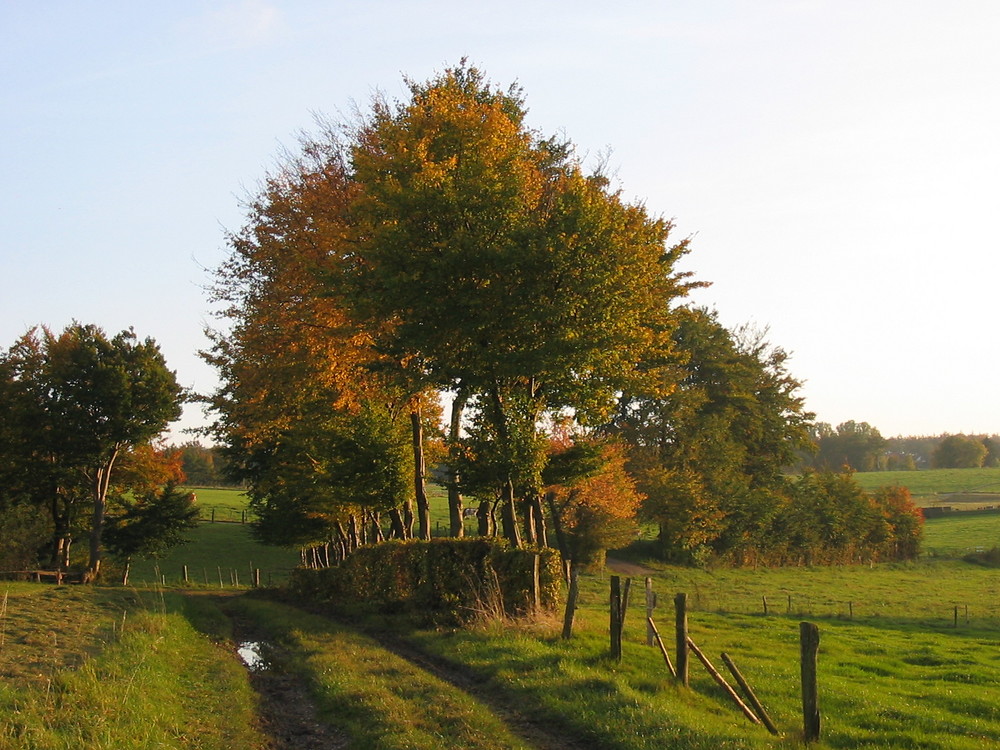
[254, 654]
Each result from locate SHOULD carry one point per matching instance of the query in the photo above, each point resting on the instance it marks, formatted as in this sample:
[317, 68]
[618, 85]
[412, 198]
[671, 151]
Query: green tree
[91, 399]
[488, 256]
[855, 445]
[297, 374]
[709, 456]
[959, 452]
[150, 524]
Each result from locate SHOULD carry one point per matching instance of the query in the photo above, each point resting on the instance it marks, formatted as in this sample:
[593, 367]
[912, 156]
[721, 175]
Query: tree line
[858, 446]
[435, 283]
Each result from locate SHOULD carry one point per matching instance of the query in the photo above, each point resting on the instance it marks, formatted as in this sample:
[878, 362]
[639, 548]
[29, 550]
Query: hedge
[442, 579]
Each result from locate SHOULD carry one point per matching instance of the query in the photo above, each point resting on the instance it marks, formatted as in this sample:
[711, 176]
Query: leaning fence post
[809, 648]
[663, 649]
[750, 694]
[721, 682]
[650, 606]
[680, 607]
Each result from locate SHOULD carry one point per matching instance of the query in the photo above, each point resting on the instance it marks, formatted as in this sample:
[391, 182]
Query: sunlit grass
[376, 698]
[149, 681]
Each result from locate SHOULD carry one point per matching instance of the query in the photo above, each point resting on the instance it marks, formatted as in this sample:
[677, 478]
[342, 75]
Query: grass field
[896, 667]
[934, 485]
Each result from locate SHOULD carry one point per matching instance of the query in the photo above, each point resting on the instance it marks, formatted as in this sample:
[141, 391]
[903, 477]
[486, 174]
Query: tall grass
[155, 683]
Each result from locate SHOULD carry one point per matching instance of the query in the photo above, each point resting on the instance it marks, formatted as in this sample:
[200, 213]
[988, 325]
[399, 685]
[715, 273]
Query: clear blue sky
[837, 163]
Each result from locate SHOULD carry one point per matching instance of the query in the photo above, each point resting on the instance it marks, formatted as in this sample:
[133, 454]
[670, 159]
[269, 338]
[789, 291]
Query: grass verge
[152, 681]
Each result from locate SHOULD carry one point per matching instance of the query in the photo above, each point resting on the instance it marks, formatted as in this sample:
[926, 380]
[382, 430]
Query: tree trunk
[102, 480]
[352, 532]
[457, 521]
[397, 528]
[538, 514]
[529, 522]
[485, 519]
[508, 515]
[407, 519]
[550, 497]
[419, 469]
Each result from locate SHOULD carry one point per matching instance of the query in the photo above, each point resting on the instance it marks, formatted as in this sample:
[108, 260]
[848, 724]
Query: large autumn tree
[78, 401]
[303, 390]
[489, 258]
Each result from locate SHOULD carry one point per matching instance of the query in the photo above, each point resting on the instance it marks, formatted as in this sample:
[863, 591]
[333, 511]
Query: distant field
[958, 534]
[933, 486]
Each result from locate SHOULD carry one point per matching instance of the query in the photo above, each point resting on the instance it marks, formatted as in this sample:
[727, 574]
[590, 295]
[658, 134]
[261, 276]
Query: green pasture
[908, 658]
[932, 485]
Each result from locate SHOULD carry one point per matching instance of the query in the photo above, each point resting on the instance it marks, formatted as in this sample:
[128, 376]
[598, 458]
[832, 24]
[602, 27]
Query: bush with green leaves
[444, 580]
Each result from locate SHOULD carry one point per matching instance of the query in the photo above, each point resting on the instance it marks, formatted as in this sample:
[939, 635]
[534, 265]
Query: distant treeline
[203, 466]
[860, 447]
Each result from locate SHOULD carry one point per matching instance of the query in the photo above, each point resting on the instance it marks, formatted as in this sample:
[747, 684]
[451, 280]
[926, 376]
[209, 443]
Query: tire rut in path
[287, 712]
[289, 717]
[537, 733]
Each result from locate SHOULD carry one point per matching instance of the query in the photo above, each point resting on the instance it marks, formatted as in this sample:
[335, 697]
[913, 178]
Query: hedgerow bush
[442, 580]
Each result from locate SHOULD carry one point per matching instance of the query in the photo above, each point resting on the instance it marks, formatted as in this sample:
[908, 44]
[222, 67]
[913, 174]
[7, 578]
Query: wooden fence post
[663, 649]
[571, 599]
[750, 694]
[809, 648]
[680, 608]
[616, 618]
[185, 573]
[650, 606]
[764, 600]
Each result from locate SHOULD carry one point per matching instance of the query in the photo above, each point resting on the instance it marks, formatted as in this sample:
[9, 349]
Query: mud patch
[288, 715]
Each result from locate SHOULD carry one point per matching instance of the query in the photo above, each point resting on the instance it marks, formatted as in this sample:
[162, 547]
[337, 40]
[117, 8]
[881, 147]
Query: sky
[835, 163]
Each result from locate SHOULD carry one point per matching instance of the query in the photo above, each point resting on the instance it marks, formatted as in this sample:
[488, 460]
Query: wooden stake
[571, 599]
[680, 609]
[809, 649]
[747, 711]
[751, 696]
[650, 606]
[616, 618]
[663, 649]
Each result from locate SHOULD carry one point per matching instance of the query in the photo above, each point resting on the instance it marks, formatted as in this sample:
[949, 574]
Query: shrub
[444, 580]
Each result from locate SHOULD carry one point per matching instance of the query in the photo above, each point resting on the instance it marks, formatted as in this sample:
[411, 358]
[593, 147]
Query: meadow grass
[958, 534]
[214, 550]
[899, 674]
[376, 698]
[928, 484]
[149, 680]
